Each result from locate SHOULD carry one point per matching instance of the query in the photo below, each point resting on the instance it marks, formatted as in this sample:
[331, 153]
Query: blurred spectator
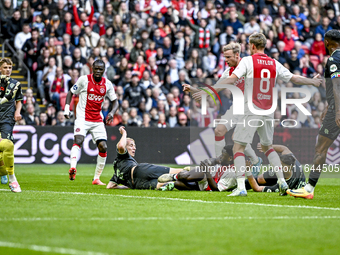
[181, 80]
[162, 121]
[43, 119]
[30, 117]
[59, 85]
[251, 27]
[146, 120]
[19, 42]
[87, 68]
[134, 92]
[182, 120]
[91, 37]
[318, 47]
[32, 47]
[135, 119]
[61, 120]
[172, 118]
[324, 27]
[78, 60]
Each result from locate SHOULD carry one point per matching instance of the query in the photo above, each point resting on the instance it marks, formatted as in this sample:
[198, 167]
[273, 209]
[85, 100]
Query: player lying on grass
[131, 174]
[292, 171]
[7, 163]
[218, 174]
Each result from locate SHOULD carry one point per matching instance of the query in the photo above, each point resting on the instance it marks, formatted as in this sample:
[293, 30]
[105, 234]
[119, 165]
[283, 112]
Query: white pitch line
[49, 249]
[187, 200]
[173, 218]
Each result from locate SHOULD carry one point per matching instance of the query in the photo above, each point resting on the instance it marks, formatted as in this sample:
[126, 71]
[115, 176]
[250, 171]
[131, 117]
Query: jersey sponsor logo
[102, 90]
[263, 97]
[93, 97]
[333, 68]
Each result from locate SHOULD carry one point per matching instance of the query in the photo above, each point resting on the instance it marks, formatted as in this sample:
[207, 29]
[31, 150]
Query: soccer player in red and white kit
[231, 53]
[92, 90]
[260, 73]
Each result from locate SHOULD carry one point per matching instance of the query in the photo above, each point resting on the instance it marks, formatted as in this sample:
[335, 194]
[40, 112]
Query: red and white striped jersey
[260, 73]
[91, 97]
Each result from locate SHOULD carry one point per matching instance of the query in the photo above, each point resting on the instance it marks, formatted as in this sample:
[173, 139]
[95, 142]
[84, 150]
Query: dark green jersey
[7, 110]
[122, 169]
[332, 70]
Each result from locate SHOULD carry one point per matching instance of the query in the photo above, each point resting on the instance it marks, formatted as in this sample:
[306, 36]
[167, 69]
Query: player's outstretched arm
[113, 111]
[121, 146]
[67, 104]
[300, 80]
[254, 185]
[277, 147]
[336, 92]
[113, 185]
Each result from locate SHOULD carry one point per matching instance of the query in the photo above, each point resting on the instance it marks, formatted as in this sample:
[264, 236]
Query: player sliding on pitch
[92, 90]
[231, 53]
[131, 174]
[260, 73]
[330, 128]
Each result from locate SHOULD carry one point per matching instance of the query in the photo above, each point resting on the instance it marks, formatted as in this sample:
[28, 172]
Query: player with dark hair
[131, 174]
[292, 171]
[218, 174]
[10, 107]
[92, 90]
[330, 128]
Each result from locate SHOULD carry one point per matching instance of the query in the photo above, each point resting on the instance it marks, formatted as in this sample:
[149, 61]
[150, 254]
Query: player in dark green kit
[131, 174]
[330, 128]
[10, 107]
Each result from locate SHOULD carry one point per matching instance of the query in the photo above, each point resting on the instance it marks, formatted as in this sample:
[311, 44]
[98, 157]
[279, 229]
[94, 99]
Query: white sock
[249, 152]
[74, 156]
[240, 163]
[309, 188]
[274, 160]
[12, 178]
[219, 145]
[100, 166]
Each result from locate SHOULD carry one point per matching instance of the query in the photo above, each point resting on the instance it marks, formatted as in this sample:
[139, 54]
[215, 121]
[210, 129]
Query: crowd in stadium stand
[152, 47]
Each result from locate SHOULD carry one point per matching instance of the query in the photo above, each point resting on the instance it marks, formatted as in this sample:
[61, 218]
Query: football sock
[101, 159]
[12, 178]
[274, 160]
[309, 188]
[74, 155]
[240, 163]
[249, 152]
[314, 177]
[219, 145]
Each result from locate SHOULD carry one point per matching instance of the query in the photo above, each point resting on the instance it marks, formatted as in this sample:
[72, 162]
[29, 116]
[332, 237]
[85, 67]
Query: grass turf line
[189, 235]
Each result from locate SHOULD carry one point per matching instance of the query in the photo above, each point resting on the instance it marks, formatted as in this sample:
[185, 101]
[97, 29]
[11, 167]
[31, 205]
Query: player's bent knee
[183, 175]
[220, 130]
[102, 146]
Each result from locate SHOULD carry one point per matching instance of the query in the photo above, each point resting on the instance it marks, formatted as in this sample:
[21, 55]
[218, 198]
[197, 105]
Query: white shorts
[229, 118]
[96, 129]
[244, 134]
[228, 181]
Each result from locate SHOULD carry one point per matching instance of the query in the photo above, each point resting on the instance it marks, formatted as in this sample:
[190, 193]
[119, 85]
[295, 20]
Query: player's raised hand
[186, 87]
[122, 130]
[317, 80]
[109, 118]
[67, 111]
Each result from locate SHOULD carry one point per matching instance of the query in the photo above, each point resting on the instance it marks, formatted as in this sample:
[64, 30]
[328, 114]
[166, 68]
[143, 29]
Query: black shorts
[329, 128]
[6, 131]
[145, 176]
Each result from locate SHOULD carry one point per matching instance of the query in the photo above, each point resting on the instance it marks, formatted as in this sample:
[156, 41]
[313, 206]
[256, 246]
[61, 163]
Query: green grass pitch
[56, 216]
